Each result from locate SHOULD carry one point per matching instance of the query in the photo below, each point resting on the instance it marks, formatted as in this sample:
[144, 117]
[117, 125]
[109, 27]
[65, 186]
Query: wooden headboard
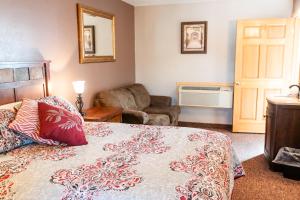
[23, 80]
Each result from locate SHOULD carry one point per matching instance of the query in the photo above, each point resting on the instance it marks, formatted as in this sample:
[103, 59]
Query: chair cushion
[117, 98]
[171, 111]
[141, 95]
[159, 120]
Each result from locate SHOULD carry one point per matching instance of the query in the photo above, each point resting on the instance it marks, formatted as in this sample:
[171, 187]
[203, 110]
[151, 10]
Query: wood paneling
[276, 31]
[21, 74]
[7, 96]
[248, 107]
[274, 61]
[36, 73]
[252, 32]
[250, 61]
[6, 75]
[30, 92]
[23, 80]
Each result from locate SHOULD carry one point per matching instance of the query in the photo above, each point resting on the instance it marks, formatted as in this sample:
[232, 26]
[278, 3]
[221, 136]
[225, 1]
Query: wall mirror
[96, 35]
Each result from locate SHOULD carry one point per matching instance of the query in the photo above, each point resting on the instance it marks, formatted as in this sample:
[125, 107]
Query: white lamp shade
[78, 86]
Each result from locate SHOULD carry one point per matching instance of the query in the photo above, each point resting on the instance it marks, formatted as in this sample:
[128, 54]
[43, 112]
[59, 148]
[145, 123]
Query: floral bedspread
[124, 162]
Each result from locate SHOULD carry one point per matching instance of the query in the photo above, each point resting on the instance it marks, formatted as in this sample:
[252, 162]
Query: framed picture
[89, 40]
[194, 37]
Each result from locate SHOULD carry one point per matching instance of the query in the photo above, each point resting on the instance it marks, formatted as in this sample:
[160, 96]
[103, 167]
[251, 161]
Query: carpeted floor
[259, 183]
[262, 184]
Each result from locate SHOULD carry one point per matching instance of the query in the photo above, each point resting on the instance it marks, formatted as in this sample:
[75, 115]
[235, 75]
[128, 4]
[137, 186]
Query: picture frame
[194, 37]
[89, 39]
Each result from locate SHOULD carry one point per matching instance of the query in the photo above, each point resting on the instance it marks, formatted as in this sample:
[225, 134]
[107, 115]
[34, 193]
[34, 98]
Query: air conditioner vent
[205, 96]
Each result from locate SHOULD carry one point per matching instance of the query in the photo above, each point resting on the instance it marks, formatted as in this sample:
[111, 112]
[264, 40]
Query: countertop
[284, 100]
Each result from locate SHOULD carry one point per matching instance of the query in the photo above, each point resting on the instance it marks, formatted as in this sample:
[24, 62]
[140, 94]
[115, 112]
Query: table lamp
[79, 89]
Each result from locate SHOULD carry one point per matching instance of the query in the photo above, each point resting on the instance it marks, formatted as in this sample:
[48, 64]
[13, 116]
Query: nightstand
[103, 114]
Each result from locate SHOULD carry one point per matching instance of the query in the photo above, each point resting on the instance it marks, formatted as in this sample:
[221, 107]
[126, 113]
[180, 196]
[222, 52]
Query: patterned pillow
[27, 122]
[10, 140]
[11, 106]
[60, 125]
[62, 103]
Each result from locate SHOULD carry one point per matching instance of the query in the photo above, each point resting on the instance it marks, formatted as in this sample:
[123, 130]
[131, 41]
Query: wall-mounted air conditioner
[205, 96]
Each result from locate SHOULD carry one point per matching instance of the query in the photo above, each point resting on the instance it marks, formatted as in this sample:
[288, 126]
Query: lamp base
[82, 113]
[79, 104]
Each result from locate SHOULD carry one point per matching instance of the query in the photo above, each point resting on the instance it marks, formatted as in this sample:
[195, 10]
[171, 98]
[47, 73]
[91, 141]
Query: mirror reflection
[96, 35]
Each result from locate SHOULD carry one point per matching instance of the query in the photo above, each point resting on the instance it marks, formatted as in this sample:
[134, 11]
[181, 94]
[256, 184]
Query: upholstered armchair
[139, 106]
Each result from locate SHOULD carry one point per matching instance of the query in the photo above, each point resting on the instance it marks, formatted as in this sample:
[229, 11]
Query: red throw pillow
[60, 125]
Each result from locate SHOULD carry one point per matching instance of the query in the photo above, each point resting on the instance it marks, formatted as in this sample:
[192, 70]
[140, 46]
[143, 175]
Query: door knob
[237, 83]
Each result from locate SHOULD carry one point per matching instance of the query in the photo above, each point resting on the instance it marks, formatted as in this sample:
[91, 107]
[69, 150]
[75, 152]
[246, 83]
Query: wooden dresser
[282, 125]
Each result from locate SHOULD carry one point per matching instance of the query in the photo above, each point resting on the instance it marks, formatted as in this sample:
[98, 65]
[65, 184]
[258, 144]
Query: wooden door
[264, 66]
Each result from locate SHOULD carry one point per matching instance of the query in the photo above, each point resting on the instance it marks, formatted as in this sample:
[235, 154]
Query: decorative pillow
[27, 122]
[11, 106]
[62, 103]
[60, 125]
[8, 139]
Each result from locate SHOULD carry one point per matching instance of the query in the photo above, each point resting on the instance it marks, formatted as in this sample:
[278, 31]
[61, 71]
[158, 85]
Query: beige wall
[47, 29]
[159, 64]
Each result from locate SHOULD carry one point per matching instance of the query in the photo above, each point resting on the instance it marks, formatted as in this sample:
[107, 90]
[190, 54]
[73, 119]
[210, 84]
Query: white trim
[164, 2]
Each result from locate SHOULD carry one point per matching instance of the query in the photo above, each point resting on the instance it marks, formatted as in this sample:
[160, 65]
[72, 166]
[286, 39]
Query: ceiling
[163, 2]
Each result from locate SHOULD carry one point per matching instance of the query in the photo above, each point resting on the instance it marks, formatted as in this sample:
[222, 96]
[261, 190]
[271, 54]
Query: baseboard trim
[205, 125]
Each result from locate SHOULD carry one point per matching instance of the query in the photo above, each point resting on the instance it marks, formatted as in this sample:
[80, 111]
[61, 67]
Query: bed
[120, 162]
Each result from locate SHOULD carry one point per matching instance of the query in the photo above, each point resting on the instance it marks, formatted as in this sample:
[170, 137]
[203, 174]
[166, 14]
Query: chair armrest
[160, 101]
[134, 117]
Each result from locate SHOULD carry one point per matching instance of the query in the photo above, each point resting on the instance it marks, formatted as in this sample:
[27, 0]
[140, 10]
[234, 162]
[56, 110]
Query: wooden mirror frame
[93, 59]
